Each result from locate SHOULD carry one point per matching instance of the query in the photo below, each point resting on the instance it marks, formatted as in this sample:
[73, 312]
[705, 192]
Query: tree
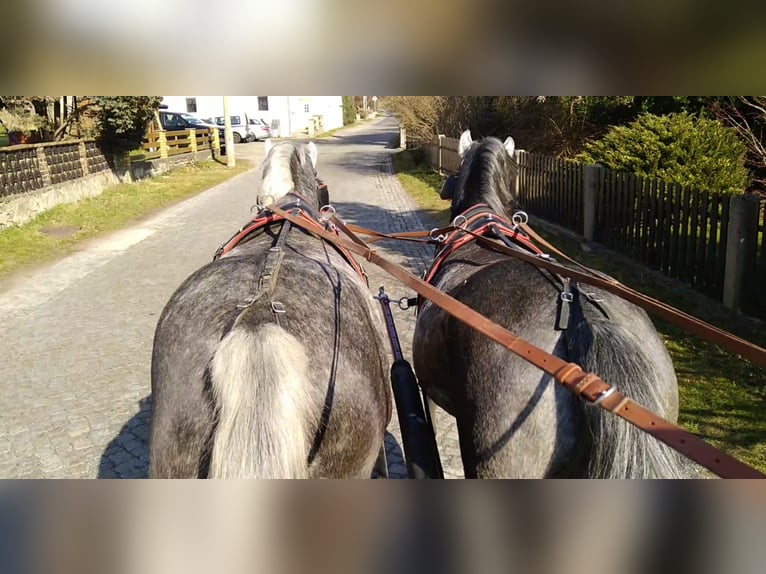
[349, 111]
[746, 115]
[123, 120]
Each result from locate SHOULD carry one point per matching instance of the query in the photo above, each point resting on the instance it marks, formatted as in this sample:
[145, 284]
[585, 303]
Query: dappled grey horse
[513, 420]
[289, 381]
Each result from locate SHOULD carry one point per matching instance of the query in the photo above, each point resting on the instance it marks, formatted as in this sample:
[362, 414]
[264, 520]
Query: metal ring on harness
[441, 238]
[520, 218]
[459, 226]
[325, 210]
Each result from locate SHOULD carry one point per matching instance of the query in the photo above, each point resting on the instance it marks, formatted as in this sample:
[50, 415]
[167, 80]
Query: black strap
[267, 281]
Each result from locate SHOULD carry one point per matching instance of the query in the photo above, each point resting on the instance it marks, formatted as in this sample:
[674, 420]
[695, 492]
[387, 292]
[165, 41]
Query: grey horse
[295, 385]
[514, 421]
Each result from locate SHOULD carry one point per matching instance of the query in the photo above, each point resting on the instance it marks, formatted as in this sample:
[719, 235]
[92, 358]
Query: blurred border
[287, 46]
[336, 527]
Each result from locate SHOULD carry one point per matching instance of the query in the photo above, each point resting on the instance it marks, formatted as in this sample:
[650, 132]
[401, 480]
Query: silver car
[260, 128]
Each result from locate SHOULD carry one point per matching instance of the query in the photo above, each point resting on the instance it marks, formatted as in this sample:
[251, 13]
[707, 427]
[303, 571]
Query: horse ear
[510, 146]
[267, 145]
[313, 153]
[465, 142]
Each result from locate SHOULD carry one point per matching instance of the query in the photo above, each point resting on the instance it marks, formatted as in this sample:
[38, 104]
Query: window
[306, 108]
[263, 103]
[171, 121]
[191, 105]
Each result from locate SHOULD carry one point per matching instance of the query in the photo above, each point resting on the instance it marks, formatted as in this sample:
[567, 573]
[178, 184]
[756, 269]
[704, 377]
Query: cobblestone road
[77, 335]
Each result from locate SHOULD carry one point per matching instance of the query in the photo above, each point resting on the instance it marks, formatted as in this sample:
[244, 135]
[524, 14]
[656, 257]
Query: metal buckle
[440, 238]
[593, 298]
[603, 396]
[278, 307]
[567, 297]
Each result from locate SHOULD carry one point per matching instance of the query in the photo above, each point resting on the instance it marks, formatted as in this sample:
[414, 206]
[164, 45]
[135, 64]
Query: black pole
[420, 451]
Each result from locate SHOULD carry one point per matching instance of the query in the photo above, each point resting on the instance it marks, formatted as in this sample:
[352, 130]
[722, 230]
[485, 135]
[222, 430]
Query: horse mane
[487, 175]
[288, 167]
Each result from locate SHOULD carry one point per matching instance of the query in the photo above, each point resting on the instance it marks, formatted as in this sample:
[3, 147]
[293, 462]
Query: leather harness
[588, 386]
[307, 220]
[479, 221]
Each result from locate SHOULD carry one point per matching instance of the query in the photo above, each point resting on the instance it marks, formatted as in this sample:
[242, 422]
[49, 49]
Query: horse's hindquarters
[328, 318]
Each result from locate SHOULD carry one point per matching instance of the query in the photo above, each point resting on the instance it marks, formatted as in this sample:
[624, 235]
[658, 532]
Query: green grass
[723, 397]
[332, 132]
[62, 229]
[423, 184]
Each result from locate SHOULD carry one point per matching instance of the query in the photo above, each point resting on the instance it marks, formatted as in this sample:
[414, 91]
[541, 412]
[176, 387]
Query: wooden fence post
[592, 177]
[163, 139]
[439, 140]
[520, 157]
[216, 143]
[741, 247]
[193, 140]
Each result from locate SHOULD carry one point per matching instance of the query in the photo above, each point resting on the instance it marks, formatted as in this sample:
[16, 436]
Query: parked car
[260, 128]
[172, 121]
[181, 121]
[5, 138]
[239, 126]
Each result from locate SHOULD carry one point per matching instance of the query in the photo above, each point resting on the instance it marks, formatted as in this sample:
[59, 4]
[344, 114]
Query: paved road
[76, 336]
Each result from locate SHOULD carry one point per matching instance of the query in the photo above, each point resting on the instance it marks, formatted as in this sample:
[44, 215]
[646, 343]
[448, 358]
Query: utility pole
[231, 161]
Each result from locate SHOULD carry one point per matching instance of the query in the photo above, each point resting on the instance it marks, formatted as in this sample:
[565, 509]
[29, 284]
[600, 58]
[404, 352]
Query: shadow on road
[127, 455]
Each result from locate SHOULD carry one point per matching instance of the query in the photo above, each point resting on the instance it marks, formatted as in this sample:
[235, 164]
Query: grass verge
[60, 230]
[424, 185]
[723, 397]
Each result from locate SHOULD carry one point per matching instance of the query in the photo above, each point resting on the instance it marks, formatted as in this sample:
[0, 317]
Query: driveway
[77, 335]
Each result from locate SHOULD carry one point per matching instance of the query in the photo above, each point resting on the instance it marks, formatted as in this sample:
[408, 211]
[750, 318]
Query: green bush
[349, 111]
[678, 148]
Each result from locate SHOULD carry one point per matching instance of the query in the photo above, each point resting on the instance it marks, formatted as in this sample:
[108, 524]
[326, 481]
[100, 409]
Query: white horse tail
[262, 390]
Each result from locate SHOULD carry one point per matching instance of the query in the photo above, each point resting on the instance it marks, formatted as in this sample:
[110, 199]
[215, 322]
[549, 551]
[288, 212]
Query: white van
[239, 126]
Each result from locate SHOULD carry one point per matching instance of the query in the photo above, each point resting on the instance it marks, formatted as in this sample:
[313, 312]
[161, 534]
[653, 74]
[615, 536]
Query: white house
[292, 114]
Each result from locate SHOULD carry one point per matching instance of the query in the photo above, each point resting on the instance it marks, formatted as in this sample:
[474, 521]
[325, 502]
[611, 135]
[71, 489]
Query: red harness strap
[265, 218]
[487, 221]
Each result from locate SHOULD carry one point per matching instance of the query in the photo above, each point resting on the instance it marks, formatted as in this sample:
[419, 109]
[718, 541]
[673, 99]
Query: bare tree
[747, 115]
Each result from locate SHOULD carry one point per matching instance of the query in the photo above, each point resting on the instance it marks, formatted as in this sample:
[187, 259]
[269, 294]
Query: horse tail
[627, 353]
[262, 390]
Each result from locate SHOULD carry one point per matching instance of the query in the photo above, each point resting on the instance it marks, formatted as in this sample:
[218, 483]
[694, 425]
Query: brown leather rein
[706, 331]
[588, 386]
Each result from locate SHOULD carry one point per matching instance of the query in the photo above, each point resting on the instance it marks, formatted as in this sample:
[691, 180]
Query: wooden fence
[715, 243]
[163, 144]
